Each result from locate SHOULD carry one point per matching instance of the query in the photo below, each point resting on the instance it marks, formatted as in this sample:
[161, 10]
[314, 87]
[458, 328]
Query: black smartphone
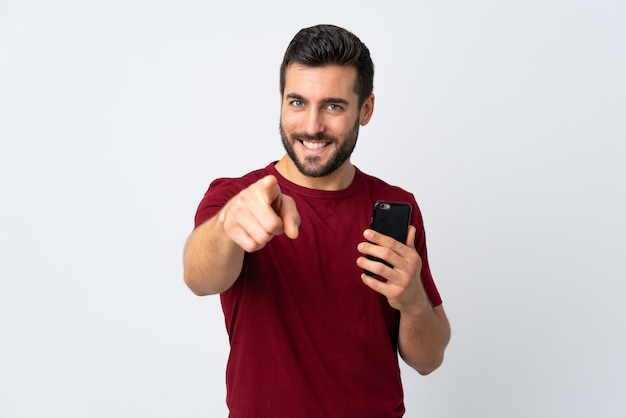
[391, 219]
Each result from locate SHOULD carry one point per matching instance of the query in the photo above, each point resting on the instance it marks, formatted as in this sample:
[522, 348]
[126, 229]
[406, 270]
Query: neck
[338, 180]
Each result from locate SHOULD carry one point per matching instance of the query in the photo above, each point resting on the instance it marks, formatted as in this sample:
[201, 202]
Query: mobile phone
[391, 219]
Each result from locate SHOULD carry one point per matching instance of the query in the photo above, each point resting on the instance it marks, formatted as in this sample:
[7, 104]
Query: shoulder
[221, 190]
[383, 189]
[237, 183]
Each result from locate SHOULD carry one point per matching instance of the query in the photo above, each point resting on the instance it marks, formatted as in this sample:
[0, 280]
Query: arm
[424, 329]
[423, 338]
[213, 254]
[211, 260]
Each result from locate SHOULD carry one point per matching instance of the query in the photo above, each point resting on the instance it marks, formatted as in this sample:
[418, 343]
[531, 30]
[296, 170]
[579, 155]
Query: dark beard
[311, 166]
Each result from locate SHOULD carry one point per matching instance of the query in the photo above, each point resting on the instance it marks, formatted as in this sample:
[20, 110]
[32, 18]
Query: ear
[366, 111]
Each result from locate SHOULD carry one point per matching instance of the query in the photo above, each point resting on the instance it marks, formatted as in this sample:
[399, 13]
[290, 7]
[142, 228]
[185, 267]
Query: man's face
[320, 117]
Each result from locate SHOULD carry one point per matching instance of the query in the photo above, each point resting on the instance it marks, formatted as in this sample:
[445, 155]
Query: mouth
[314, 146]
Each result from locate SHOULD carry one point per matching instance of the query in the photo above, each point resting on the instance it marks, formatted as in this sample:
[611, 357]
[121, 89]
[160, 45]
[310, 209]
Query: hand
[258, 213]
[401, 285]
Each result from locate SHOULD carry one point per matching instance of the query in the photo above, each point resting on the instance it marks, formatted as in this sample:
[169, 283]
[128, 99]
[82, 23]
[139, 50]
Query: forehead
[324, 81]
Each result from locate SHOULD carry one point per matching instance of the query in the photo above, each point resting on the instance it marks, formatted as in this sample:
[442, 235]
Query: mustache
[317, 137]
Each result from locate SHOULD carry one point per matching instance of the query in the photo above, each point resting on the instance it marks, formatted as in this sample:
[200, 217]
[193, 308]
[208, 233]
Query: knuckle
[394, 295]
[416, 261]
[378, 269]
[386, 253]
[272, 225]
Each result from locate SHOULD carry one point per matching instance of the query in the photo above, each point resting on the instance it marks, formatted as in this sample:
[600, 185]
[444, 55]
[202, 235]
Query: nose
[313, 122]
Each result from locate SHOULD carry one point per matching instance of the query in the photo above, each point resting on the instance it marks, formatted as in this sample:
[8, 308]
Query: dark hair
[328, 44]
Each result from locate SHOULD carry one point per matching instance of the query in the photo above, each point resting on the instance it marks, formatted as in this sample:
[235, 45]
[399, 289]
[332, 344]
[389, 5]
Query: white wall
[506, 119]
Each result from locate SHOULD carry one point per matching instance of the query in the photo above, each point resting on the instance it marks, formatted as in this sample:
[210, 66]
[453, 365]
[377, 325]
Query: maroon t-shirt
[308, 338]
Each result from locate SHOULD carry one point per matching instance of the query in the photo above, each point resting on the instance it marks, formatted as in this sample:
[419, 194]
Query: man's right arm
[214, 251]
[212, 261]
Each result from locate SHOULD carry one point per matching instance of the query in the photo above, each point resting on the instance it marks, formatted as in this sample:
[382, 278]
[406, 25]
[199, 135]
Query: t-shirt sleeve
[420, 246]
[220, 191]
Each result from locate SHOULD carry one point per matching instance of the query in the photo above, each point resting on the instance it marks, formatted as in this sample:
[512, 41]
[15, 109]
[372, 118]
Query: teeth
[313, 145]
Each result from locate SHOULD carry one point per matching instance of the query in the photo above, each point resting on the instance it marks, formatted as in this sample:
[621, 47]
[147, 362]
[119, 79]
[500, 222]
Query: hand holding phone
[391, 219]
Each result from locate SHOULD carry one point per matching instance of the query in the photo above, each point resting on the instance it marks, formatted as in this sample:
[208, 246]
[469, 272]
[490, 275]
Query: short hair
[322, 45]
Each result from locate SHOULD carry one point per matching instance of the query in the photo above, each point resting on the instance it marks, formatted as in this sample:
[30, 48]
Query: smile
[314, 145]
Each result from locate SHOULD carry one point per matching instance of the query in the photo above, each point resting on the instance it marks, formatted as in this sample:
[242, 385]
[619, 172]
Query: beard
[312, 166]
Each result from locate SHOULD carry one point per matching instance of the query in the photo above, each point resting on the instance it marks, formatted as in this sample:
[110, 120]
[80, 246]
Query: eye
[334, 106]
[297, 103]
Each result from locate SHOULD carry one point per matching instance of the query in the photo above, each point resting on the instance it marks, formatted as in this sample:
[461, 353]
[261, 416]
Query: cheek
[289, 121]
[340, 126]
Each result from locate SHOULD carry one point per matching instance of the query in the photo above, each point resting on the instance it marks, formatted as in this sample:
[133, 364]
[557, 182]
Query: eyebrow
[337, 100]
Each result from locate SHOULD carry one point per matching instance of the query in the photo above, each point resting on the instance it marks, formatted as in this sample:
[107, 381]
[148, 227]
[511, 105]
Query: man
[286, 246]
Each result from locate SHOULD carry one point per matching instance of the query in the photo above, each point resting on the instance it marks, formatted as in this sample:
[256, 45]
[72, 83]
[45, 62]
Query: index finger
[271, 191]
[381, 239]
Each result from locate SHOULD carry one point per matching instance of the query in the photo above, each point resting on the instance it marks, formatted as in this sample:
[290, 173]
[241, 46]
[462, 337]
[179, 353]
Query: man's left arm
[424, 329]
[423, 339]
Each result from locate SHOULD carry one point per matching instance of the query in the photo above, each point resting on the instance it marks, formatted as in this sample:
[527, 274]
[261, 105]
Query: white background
[506, 119]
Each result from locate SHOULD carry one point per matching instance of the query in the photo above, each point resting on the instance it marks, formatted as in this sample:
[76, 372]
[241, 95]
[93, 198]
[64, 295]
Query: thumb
[410, 239]
[290, 216]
